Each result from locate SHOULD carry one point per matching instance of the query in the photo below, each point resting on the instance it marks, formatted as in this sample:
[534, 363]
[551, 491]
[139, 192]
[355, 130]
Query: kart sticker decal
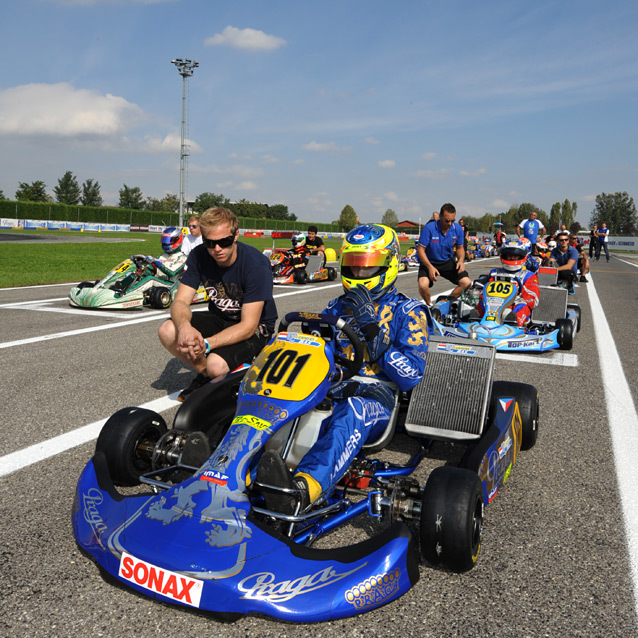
[262, 585]
[162, 581]
[91, 514]
[454, 348]
[252, 421]
[214, 477]
[374, 590]
[505, 403]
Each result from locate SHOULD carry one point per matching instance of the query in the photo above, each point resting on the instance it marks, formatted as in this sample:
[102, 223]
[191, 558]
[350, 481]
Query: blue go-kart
[193, 529]
[553, 323]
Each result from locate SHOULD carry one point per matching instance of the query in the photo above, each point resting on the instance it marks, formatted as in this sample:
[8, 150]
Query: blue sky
[403, 105]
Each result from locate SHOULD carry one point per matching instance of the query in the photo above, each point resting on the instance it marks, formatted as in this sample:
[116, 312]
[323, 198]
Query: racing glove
[359, 302]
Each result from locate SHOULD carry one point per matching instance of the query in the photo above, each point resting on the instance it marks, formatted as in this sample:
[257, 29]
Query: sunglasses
[224, 242]
[193, 225]
[562, 240]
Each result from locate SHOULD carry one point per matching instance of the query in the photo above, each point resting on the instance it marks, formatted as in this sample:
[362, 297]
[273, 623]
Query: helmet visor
[368, 259]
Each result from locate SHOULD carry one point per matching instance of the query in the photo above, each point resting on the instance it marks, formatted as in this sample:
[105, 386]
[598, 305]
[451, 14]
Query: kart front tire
[526, 396]
[159, 297]
[565, 335]
[301, 277]
[452, 518]
[86, 284]
[127, 440]
[332, 274]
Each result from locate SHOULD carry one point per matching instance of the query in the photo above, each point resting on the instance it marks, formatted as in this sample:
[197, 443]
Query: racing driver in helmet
[299, 253]
[517, 266]
[394, 329]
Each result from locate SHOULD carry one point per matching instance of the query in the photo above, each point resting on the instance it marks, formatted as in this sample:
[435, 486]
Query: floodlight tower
[186, 68]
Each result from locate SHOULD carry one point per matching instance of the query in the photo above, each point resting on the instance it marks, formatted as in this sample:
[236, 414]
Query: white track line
[623, 426]
[46, 449]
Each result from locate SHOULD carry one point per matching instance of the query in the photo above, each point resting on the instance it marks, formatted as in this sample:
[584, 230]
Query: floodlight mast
[185, 68]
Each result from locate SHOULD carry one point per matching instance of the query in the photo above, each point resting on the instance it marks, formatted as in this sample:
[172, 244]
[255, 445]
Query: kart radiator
[552, 305]
[451, 401]
[547, 276]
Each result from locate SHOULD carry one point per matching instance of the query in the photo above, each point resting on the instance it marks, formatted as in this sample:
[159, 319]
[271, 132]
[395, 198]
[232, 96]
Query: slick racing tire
[565, 335]
[452, 518]
[576, 309]
[527, 398]
[127, 440]
[86, 284]
[159, 297]
[301, 276]
[332, 273]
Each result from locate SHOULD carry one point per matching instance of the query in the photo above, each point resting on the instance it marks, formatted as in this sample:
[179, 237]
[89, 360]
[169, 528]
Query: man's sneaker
[571, 290]
[284, 493]
[583, 279]
[197, 382]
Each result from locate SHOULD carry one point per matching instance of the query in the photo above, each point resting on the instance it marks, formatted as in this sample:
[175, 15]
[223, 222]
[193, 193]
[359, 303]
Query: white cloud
[298, 162]
[246, 186]
[500, 203]
[371, 140]
[588, 198]
[246, 39]
[60, 110]
[269, 159]
[428, 156]
[476, 173]
[387, 164]
[170, 144]
[393, 197]
[324, 146]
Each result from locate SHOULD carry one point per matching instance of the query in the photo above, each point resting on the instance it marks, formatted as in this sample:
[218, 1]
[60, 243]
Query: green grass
[61, 262]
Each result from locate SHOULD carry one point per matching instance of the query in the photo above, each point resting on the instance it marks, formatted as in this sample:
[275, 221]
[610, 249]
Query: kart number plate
[500, 289]
[123, 267]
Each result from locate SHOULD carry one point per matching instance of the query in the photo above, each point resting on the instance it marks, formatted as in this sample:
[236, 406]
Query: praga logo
[175, 586]
[374, 590]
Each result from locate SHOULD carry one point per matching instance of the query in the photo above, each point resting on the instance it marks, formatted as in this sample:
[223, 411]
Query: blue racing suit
[358, 416]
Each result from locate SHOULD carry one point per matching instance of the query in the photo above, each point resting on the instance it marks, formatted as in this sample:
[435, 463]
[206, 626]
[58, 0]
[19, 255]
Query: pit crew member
[566, 259]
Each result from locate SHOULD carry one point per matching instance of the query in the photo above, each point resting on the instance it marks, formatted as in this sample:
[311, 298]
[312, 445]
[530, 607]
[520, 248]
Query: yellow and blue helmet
[370, 257]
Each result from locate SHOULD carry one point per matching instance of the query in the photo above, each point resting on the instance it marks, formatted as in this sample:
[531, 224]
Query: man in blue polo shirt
[566, 258]
[436, 254]
[603, 236]
[531, 227]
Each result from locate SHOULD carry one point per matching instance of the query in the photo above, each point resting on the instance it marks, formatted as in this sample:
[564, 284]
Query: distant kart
[552, 325]
[133, 283]
[284, 271]
[411, 259]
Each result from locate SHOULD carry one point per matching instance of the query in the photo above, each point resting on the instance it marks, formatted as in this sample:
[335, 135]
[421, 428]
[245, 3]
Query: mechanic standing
[603, 236]
[531, 228]
[436, 254]
[394, 330]
[241, 311]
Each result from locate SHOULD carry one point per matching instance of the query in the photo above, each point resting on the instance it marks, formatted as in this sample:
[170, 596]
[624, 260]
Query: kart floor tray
[451, 401]
[552, 305]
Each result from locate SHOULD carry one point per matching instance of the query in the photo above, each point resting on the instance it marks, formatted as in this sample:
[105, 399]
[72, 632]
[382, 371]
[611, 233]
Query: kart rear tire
[127, 440]
[301, 277]
[86, 284]
[565, 335]
[452, 518]
[159, 297]
[576, 309]
[332, 273]
[528, 405]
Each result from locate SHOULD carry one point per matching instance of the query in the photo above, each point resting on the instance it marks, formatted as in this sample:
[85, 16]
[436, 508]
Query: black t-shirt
[317, 242]
[248, 279]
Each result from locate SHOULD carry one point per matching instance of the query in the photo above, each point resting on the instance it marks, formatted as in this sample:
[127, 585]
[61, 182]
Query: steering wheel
[141, 261]
[346, 368]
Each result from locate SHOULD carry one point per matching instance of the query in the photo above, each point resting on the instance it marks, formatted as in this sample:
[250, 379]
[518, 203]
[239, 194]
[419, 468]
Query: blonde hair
[216, 216]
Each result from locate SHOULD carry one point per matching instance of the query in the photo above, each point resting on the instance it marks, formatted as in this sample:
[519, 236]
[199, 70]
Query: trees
[390, 218]
[207, 200]
[131, 197]
[91, 194]
[168, 203]
[2, 194]
[34, 192]
[68, 190]
[348, 218]
[618, 211]
[568, 212]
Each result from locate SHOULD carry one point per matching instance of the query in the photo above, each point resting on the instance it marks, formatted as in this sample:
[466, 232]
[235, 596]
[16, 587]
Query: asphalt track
[559, 552]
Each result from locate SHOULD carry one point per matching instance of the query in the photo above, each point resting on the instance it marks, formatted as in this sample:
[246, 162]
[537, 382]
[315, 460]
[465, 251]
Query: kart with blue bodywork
[553, 322]
[195, 531]
[135, 282]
